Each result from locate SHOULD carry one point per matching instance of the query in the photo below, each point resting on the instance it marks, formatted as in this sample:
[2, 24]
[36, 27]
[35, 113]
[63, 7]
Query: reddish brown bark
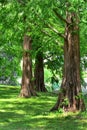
[70, 98]
[27, 86]
[39, 72]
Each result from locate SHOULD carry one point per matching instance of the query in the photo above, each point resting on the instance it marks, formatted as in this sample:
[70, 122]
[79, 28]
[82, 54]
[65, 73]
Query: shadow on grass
[9, 92]
[46, 122]
[33, 113]
[30, 115]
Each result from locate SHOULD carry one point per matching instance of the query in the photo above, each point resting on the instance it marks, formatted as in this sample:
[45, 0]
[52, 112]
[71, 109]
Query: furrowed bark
[70, 96]
[27, 89]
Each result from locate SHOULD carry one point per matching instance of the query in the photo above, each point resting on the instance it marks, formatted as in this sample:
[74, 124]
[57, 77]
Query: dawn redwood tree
[70, 95]
[39, 72]
[27, 84]
[27, 87]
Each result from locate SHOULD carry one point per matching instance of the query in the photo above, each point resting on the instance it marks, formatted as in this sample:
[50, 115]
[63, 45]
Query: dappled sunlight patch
[44, 116]
[3, 124]
[2, 110]
[20, 112]
[40, 122]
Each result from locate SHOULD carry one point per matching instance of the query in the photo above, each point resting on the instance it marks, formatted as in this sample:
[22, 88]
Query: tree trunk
[27, 86]
[39, 72]
[70, 96]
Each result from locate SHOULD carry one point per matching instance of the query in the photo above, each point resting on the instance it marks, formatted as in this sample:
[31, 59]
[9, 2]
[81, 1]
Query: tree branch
[45, 32]
[21, 2]
[59, 16]
[50, 27]
[53, 29]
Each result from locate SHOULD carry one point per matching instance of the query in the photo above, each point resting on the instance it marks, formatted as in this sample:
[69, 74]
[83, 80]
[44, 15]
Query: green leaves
[37, 19]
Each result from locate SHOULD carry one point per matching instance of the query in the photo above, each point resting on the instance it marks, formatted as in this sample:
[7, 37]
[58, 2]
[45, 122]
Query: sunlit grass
[33, 113]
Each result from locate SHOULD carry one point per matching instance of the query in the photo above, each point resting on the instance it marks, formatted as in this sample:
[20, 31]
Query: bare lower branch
[21, 2]
[56, 42]
[59, 16]
[45, 32]
[56, 31]
[50, 27]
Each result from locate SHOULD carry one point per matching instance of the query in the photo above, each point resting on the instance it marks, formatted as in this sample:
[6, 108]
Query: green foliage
[47, 79]
[65, 102]
[37, 19]
[10, 49]
[79, 96]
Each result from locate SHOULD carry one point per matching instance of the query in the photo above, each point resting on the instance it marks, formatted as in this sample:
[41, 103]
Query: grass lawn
[33, 114]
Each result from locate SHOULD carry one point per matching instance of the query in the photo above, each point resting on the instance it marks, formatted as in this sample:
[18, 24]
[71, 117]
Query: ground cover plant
[33, 113]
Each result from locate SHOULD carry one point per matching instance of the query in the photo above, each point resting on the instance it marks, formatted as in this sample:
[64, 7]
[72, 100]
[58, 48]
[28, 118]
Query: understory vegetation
[34, 113]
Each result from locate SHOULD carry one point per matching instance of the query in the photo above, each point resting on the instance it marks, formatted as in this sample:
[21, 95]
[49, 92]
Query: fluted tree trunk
[39, 72]
[70, 96]
[27, 85]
